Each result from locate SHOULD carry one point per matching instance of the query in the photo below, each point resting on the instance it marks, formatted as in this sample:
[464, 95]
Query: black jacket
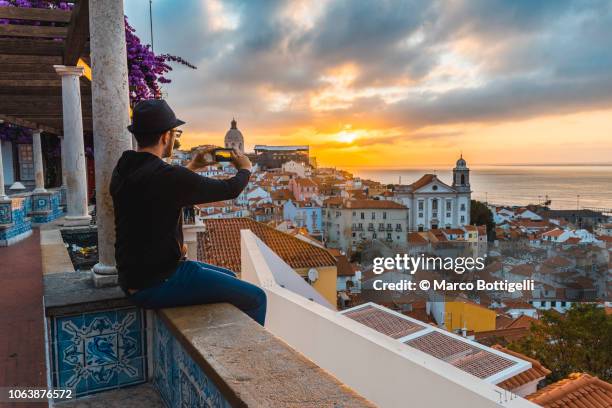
[148, 196]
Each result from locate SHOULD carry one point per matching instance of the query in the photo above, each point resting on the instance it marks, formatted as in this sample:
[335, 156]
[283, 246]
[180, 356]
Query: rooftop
[536, 372]
[473, 358]
[219, 244]
[579, 390]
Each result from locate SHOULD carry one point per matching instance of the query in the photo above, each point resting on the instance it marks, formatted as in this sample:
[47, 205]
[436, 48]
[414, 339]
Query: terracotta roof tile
[220, 245]
[468, 358]
[423, 181]
[384, 322]
[579, 390]
[536, 372]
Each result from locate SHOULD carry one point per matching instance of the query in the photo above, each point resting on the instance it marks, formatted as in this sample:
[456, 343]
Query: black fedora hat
[153, 116]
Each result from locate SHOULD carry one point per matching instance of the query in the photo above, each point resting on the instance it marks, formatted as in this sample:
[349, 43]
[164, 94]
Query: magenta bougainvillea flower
[145, 69]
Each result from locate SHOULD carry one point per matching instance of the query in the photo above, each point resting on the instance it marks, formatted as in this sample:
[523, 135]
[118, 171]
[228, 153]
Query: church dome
[461, 164]
[234, 138]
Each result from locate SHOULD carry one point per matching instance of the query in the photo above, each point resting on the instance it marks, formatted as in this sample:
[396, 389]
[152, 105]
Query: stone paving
[22, 354]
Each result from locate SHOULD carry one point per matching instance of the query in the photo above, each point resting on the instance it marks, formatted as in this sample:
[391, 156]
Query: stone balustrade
[205, 355]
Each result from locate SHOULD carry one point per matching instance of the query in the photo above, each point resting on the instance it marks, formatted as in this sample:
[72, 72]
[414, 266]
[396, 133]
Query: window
[434, 188]
[374, 236]
[384, 215]
[462, 179]
[398, 227]
[448, 206]
[373, 215]
[354, 234]
[553, 303]
[543, 303]
[354, 213]
[463, 218]
[389, 236]
[421, 205]
[420, 228]
[462, 207]
[420, 215]
[448, 215]
[563, 304]
[26, 161]
[363, 216]
[434, 204]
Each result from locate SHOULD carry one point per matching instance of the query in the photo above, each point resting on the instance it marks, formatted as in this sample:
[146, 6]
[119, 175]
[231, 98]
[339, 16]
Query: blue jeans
[196, 283]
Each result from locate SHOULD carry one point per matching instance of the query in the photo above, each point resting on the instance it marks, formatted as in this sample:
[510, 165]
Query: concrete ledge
[55, 257]
[250, 366]
[74, 292]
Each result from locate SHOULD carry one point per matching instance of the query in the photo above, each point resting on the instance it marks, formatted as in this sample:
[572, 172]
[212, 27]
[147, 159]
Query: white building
[297, 168]
[347, 223]
[234, 138]
[433, 204]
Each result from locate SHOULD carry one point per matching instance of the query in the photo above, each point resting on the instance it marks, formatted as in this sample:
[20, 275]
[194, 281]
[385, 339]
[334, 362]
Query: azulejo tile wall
[14, 225]
[178, 378]
[46, 206]
[99, 351]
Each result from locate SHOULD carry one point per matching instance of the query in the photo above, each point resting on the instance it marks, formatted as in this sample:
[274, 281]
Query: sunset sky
[394, 83]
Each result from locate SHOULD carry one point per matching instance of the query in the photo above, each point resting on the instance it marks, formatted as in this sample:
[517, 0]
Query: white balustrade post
[39, 172]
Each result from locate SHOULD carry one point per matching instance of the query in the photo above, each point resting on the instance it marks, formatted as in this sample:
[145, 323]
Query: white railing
[381, 369]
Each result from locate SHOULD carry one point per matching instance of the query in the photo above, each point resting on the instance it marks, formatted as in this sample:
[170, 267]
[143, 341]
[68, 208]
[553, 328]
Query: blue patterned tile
[72, 379]
[67, 326]
[134, 319]
[104, 349]
[178, 378]
[134, 371]
[102, 378]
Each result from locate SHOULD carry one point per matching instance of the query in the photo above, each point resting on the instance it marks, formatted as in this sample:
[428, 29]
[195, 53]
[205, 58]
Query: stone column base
[72, 221]
[104, 275]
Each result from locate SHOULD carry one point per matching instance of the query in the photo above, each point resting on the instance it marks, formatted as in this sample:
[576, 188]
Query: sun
[346, 136]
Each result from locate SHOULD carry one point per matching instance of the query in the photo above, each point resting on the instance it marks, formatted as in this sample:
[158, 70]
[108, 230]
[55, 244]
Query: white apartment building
[432, 204]
[347, 223]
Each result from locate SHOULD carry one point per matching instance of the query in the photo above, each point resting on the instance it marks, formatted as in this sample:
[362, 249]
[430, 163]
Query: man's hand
[202, 158]
[241, 161]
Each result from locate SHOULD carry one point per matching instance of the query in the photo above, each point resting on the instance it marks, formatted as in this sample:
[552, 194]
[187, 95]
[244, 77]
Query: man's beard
[168, 149]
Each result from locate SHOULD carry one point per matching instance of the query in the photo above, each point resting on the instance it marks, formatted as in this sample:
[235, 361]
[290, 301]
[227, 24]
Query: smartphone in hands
[222, 155]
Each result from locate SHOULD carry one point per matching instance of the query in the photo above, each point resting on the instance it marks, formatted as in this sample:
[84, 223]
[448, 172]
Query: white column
[63, 156]
[110, 103]
[3, 195]
[74, 173]
[39, 172]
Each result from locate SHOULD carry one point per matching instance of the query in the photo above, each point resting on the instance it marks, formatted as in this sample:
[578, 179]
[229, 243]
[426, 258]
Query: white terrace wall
[381, 369]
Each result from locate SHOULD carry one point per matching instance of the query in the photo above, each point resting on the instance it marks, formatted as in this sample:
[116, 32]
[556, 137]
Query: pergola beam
[14, 30]
[35, 14]
[78, 33]
[29, 59]
[28, 46]
[28, 124]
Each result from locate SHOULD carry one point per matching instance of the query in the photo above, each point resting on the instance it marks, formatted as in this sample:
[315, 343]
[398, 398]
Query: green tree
[481, 215]
[578, 341]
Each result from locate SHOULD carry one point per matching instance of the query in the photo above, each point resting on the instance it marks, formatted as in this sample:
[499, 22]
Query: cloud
[415, 63]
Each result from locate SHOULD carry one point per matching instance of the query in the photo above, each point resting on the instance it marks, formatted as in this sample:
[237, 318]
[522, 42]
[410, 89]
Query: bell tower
[461, 176]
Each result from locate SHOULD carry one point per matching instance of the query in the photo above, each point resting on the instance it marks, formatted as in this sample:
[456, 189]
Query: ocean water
[568, 187]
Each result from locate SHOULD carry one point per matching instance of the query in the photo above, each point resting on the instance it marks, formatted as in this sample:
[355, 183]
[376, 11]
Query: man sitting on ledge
[148, 196]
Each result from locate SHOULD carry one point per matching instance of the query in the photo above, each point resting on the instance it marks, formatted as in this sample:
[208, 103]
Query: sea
[566, 186]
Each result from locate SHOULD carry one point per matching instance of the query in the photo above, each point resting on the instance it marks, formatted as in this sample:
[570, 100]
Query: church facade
[433, 204]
